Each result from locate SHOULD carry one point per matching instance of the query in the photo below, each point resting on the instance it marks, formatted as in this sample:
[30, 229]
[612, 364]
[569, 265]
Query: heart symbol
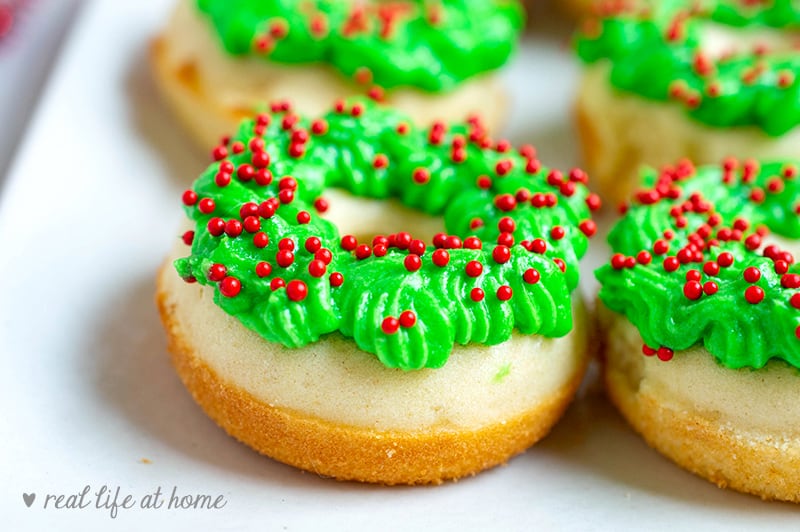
[28, 498]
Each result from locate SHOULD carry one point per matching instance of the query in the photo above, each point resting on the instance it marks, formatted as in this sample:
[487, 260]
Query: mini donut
[218, 61]
[677, 78]
[702, 322]
[379, 358]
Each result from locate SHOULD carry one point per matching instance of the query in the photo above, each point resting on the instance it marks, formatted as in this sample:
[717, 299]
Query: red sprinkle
[390, 325]
[504, 293]
[407, 319]
[296, 290]
[477, 294]
[531, 276]
[230, 287]
[754, 294]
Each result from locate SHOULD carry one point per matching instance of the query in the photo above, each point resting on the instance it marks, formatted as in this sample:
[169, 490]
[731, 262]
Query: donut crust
[332, 449]
[749, 461]
[207, 117]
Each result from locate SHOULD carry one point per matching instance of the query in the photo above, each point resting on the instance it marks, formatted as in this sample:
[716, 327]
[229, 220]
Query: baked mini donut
[702, 330]
[219, 61]
[376, 356]
[677, 78]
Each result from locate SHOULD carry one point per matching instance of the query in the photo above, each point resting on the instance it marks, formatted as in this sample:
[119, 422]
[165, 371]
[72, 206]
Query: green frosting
[431, 45]
[455, 171]
[670, 276]
[655, 51]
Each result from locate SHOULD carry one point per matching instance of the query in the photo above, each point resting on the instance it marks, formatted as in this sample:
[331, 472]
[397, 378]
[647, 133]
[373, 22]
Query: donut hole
[367, 218]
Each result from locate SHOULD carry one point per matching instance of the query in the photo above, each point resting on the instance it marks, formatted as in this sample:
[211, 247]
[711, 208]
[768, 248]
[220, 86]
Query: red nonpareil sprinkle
[505, 239]
[725, 259]
[230, 287]
[206, 205]
[483, 182]
[648, 351]
[286, 244]
[286, 196]
[417, 247]
[276, 283]
[795, 301]
[693, 275]
[618, 261]
[390, 325]
[563, 265]
[665, 354]
[380, 250]
[216, 226]
[412, 263]
[252, 223]
[504, 293]
[644, 258]
[710, 288]
[222, 179]
[188, 237]
[233, 228]
[321, 204]
[297, 290]
[539, 246]
[217, 272]
[671, 264]
[781, 267]
[336, 279]
[473, 268]
[317, 268]
[477, 294]
[284, 258]
[588, 227]
[303, 217]
[363, 251]
[219, 153]
[441, 257]
[754, 294]
[260, 240]
[503, 167]
[660, 247]
[319, 127]
[349, 243]
[266, 209]
[711, 268]
[531, 276]
[260, 160]
[473, 242]
[752, 274]
[501, 254]
[263, 269]
[753, 242]
[692, 290]
[402, 240]
[439, 239]
[506, 225]
[407, 319]
[505, 202]
[557, 233]
[593, 202]
[790, 280]
[421, 176]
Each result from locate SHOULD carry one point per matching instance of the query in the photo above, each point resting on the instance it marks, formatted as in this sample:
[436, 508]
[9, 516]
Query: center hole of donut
[719, 40]
[366, 218]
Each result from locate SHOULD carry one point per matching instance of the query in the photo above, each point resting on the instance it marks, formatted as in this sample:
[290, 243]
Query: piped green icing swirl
[431, 45]
[694, 265]
[478, 186]
[656, 51]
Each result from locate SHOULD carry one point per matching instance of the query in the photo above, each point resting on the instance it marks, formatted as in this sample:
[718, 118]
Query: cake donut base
[211, 92]
[372, 429]
[735, 428]
[621, 132]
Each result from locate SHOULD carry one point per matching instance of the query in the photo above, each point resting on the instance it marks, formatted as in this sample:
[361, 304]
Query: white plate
[90, 208]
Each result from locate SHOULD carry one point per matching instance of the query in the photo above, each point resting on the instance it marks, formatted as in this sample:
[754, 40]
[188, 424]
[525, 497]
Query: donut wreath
[655, 49]
[695, 262]
[430, 44]
[509, 259]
